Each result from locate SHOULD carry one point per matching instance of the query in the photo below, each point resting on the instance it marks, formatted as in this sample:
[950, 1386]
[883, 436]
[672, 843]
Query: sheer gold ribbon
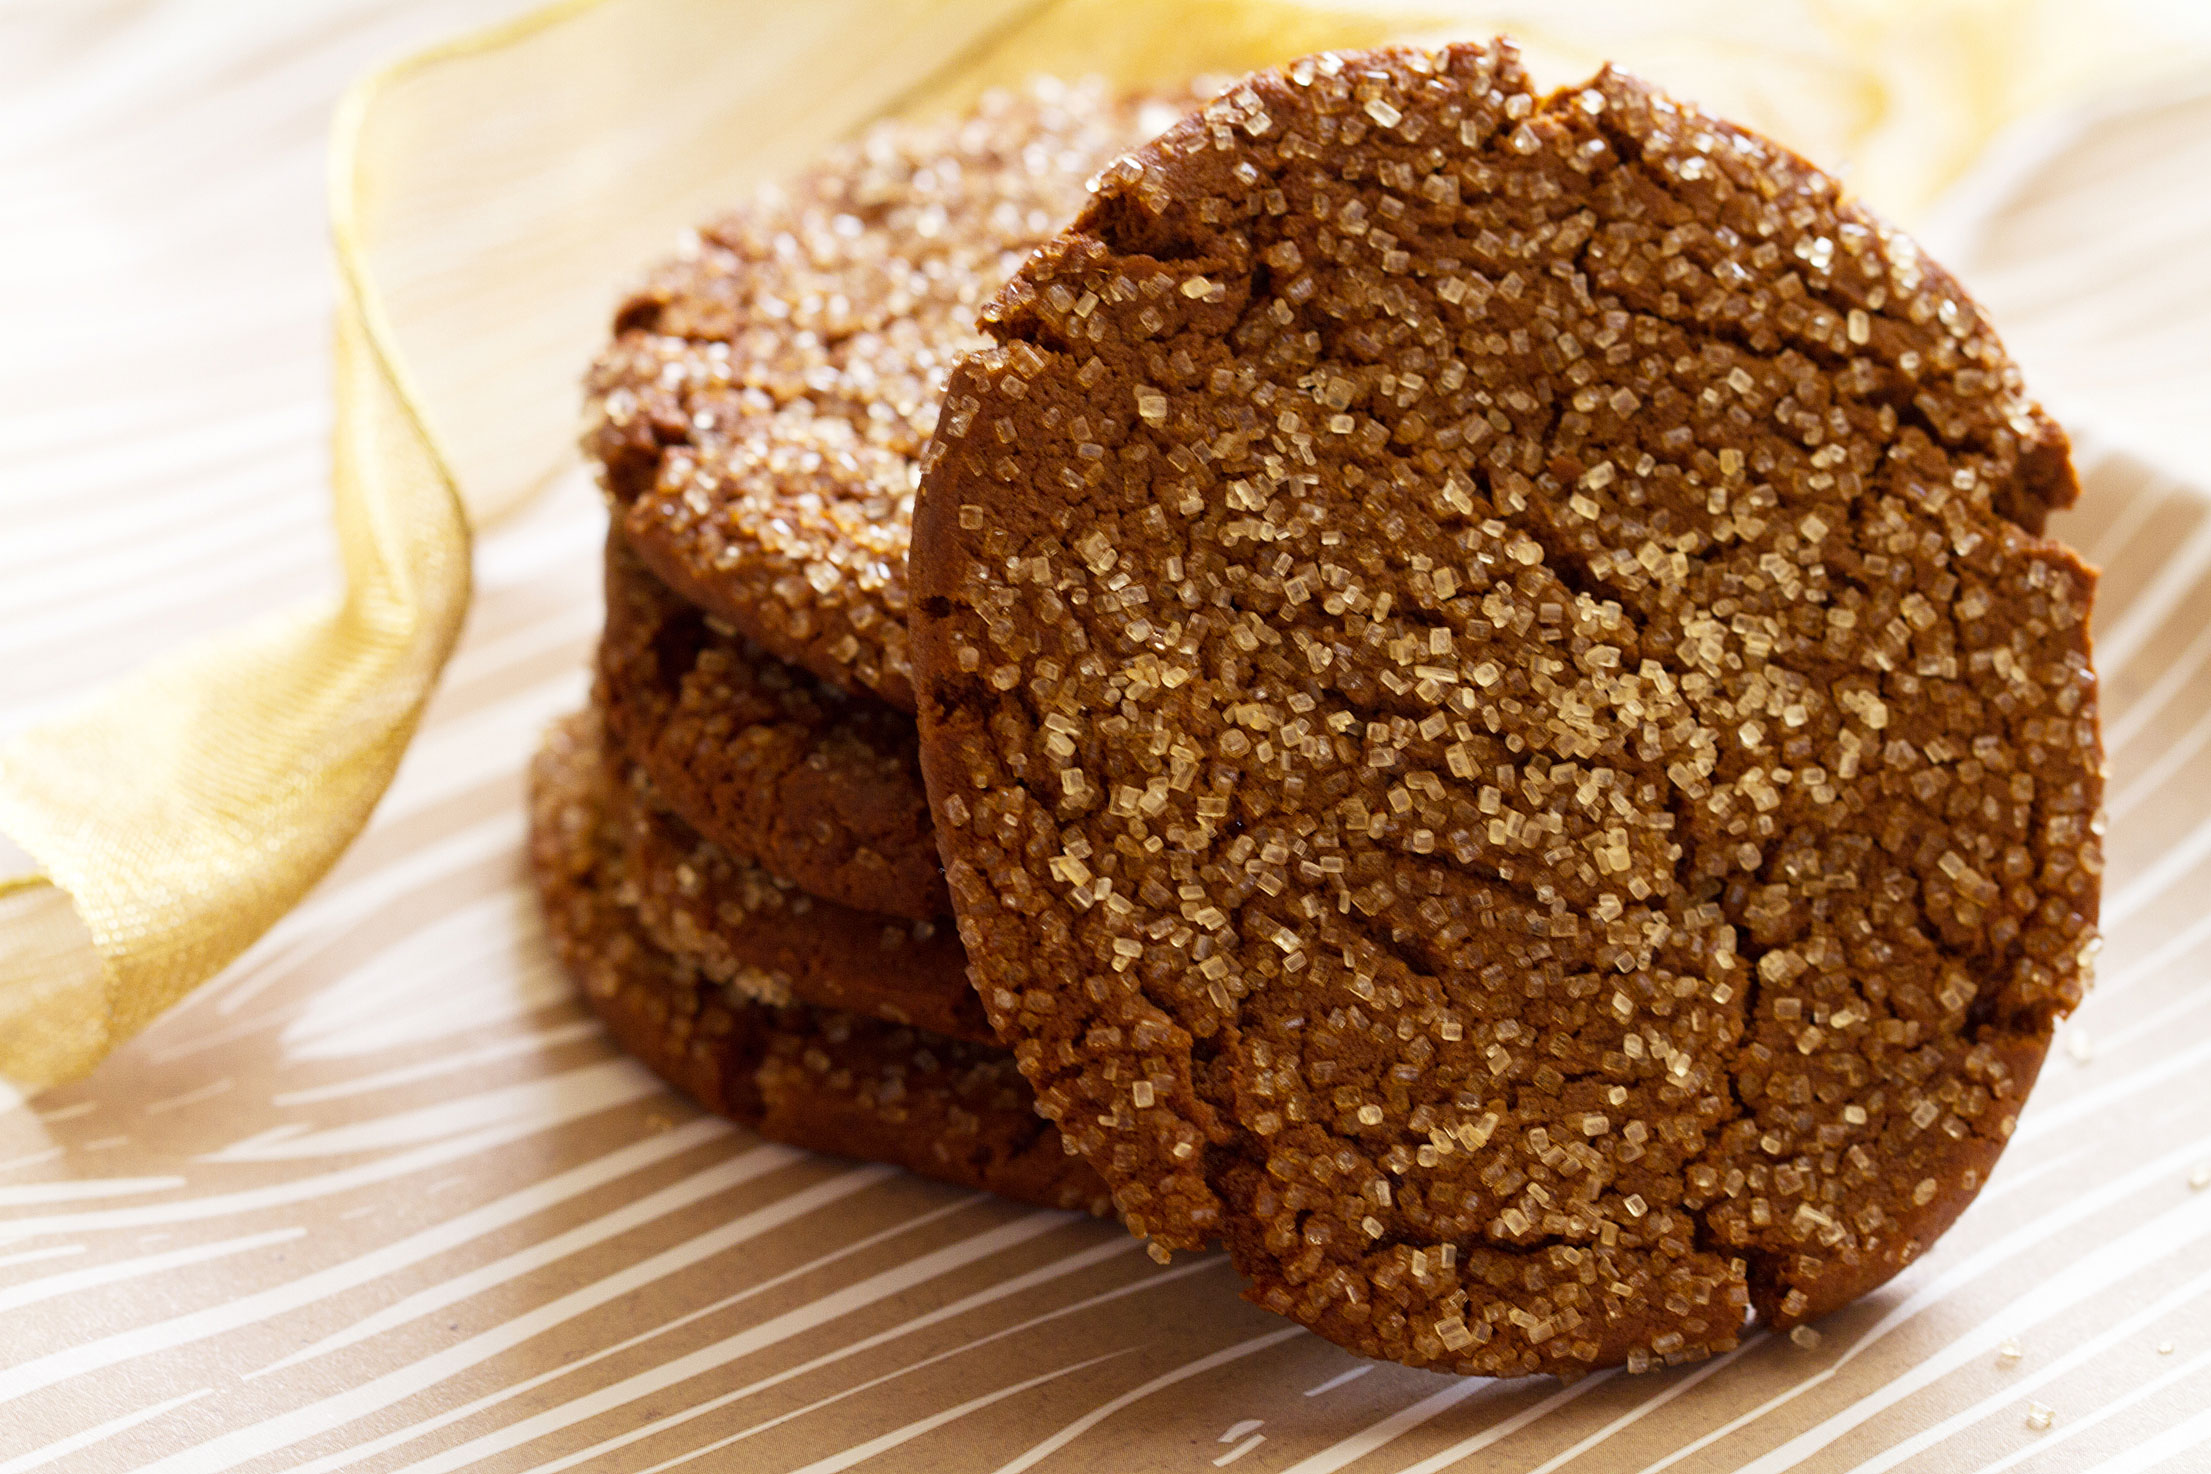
[487, 197]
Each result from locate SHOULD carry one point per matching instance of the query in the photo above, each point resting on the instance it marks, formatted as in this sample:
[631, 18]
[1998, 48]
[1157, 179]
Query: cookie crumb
[2040, 1415]
[2009, 1351]
[1805, 1337]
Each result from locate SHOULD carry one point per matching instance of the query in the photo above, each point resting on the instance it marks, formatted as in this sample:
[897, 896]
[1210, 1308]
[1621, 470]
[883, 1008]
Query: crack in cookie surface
[1503, 734]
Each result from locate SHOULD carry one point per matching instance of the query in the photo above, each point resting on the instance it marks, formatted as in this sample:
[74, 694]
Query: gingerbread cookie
[770, 940]
[761, 411]
[813, 1077]
[770, 762]
[1502, 731]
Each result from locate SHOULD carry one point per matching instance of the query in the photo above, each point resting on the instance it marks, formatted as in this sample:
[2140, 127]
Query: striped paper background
[383, 1197]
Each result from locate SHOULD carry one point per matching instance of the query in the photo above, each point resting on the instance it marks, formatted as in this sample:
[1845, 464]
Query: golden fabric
[488, 197]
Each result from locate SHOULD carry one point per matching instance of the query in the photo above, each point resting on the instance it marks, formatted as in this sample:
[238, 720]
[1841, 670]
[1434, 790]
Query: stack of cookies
[733, 842]
[1479, 673]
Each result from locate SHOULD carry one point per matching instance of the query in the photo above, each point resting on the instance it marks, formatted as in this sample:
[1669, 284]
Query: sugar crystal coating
[762, 409]
[1504, 736]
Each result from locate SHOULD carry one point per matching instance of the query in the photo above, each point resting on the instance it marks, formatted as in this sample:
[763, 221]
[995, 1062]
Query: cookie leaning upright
[761, 413]
[1503, 735]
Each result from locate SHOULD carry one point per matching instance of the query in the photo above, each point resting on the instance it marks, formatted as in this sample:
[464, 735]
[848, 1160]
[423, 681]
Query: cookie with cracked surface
[814, 1077]
[761, 412]
[773, 764]
[1503, 732]
[766, 938]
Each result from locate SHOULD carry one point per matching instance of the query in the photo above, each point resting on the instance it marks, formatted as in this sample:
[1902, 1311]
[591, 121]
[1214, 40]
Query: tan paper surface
[383, 1197]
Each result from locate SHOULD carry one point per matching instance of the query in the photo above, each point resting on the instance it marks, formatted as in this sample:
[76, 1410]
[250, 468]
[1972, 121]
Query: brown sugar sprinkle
[762, 409]
[818, 785]
[1504, 737]
[814, 1077]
